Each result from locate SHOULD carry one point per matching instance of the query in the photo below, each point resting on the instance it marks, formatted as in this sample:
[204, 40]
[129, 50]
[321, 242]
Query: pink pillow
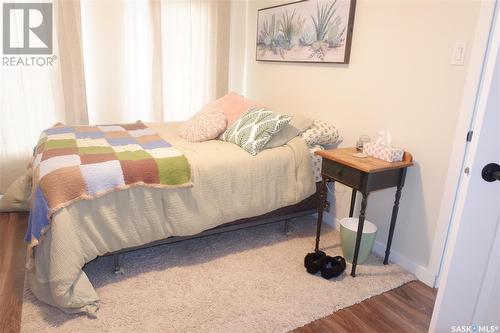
[233, 106]
[205, 125]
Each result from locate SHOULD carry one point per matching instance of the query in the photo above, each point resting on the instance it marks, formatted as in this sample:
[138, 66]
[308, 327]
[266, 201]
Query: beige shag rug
[250, 280]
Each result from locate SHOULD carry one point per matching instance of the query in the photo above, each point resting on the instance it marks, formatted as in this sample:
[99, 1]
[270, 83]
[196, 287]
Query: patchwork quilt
[72, 163]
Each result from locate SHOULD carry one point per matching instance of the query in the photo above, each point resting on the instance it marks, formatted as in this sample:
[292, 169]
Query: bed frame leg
[287, 227]
[116, 262]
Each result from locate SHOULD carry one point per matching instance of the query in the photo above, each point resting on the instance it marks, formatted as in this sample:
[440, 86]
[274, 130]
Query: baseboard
[421, 272]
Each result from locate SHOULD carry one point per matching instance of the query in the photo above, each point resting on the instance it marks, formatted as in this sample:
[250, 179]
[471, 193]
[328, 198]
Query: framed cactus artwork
[306, 31]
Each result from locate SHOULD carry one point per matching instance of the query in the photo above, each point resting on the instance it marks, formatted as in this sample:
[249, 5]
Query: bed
[232, 189]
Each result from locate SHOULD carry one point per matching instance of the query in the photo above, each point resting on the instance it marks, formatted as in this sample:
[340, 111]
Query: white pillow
[205, 125]
[316, 161]
[321, 133]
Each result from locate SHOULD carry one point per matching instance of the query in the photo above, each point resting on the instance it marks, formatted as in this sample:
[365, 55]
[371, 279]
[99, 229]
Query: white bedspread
[230, 184]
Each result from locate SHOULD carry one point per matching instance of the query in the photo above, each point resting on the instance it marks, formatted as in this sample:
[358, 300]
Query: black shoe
[331, 267]
[312, 261]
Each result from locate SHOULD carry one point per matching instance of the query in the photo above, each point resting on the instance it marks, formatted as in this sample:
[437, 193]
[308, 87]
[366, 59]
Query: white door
[468, 298]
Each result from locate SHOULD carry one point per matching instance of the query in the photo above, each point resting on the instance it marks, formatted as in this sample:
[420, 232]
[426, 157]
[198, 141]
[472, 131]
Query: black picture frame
[276, 39]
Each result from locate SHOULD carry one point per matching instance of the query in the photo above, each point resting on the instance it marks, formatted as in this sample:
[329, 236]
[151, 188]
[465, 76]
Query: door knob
[491, 172]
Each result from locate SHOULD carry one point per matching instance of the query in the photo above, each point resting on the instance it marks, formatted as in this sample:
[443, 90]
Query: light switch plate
[458, 54]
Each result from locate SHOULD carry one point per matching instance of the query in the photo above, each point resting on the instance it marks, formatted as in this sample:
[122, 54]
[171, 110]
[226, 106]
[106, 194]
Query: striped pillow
[254, 129]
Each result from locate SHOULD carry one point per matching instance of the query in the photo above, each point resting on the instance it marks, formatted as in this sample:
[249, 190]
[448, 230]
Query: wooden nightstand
[364, 175]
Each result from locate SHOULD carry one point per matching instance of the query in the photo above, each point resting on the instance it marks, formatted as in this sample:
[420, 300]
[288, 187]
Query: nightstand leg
[353, 202]
[394, 216]
[321, 207]
[359, 234]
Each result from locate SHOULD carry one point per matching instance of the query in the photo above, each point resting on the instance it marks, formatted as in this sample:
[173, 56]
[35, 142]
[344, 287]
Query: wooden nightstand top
[368, 164]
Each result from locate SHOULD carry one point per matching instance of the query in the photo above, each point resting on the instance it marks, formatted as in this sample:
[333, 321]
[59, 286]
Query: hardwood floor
[404, 309]
[12, 259]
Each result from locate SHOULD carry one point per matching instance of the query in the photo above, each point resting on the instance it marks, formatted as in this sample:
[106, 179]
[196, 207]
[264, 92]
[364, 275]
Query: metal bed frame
[306, 207]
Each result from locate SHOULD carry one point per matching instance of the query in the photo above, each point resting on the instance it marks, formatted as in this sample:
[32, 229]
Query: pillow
[254, 129]
[233, 106]
[205, 125]
[316, 161]
[297, 125]
[321, 133]
[17, 196]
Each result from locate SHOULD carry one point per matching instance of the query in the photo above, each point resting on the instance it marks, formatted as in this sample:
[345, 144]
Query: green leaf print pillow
[254, 129]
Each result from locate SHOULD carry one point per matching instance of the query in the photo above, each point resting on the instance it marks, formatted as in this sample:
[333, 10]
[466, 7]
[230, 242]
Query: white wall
[237, 45]
[399, 79]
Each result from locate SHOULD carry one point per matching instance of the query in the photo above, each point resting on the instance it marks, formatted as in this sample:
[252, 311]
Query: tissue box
[386, 153]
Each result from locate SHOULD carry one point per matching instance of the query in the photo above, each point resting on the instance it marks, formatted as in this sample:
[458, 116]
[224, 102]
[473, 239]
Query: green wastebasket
[348, 231]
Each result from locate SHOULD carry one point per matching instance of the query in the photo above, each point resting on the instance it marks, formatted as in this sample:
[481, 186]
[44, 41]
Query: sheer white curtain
[35, 98]
[143, 61]
[154, 60]
[195, 50]
[27, 107]
[119, 52]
